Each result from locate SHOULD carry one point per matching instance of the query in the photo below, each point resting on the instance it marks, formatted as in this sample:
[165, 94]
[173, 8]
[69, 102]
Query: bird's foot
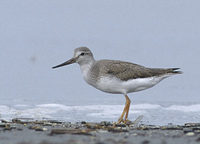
[126, 121]
[120, 120]
[123, 121]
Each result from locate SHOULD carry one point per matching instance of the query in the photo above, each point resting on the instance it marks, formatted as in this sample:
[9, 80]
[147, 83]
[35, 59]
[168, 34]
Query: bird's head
[82, 55]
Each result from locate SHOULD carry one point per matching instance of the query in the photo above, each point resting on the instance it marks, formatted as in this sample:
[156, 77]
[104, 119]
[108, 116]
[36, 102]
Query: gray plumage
[125, 70]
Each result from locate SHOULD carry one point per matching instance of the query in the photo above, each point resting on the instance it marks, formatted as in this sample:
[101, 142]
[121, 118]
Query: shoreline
[25, 131]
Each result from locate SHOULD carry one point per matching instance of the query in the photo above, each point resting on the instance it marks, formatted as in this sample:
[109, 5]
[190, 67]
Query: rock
[116, 130]
[41, 129]
[83, 122]
[190, 134]
[105, 123]
[16, 121]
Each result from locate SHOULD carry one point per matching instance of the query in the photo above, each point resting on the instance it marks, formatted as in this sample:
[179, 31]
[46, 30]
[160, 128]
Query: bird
[117, 77]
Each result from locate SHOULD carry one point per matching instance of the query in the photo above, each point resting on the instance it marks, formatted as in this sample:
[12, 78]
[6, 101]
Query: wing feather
[126, 70]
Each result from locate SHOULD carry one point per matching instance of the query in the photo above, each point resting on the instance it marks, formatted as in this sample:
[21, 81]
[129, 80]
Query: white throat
[85, 70]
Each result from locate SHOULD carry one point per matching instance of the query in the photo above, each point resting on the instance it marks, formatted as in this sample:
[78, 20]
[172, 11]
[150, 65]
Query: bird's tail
[174, 71]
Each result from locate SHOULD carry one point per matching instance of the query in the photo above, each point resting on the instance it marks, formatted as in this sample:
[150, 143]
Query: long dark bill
[71, 61]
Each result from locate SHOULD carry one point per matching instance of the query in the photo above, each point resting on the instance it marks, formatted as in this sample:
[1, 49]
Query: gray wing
[126, 70]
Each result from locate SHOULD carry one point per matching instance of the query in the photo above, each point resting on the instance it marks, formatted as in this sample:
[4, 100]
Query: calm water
[159, 114]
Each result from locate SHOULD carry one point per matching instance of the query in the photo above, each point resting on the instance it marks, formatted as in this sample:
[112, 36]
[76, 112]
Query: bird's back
[126, 70]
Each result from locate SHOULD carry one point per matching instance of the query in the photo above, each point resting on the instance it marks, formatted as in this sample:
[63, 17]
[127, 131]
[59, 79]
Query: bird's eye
[82, 54]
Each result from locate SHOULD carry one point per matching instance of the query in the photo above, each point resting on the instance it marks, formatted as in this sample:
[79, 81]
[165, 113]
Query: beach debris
[116, 130]
[107, 126]
[171, 127]
[37, 128]
[137, 121]
[147, 127]
[23, 120]
[71, 131]
[96, 131]
[55, 121]
[192, 124]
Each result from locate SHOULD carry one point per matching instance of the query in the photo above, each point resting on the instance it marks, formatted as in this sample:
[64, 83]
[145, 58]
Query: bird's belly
[114, 85]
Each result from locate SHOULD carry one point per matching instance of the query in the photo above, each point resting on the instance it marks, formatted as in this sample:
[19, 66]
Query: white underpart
[114, 85]
[111, 84]
[85, 68]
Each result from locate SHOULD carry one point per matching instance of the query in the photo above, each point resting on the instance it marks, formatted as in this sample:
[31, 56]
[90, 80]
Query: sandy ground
[53, 132]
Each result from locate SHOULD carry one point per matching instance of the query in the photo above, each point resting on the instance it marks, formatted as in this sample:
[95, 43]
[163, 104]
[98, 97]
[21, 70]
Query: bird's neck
[85, 68]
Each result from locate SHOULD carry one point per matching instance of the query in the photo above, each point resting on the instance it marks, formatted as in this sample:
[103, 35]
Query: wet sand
[26, 131]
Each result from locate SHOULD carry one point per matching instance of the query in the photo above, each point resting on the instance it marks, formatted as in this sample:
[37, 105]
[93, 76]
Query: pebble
[186, 130]
[192, 124]
[37, 128]
[190, 134]
[171, 127]
[105, 123]
[2, 125]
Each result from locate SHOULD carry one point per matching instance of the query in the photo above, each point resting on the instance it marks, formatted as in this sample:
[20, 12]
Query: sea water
[158, 114]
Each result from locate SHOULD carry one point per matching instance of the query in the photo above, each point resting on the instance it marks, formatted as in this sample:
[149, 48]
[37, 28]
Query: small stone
[2, 125]
[192, 124]
[171, 127]
[48, 124]
[55, 121]
[39, 129]
[45, 129]
[190, 134]
[36, 128]
[92, 126]
[83, 122]
[187, 130]
[105, 123]
[16, 121]
[4, 121]
[134, 134]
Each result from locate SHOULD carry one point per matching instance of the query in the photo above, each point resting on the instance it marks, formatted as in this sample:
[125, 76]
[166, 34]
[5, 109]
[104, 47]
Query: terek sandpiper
[117, 77]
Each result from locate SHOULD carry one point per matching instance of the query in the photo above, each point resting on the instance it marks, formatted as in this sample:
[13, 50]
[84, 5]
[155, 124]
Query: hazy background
[38, 34]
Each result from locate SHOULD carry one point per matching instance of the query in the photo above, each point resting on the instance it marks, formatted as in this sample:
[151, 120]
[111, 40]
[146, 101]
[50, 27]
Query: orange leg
[128, 106]
[125, 111]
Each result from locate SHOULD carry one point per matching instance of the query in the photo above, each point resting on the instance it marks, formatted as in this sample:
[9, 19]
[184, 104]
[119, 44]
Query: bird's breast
[87, 75]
